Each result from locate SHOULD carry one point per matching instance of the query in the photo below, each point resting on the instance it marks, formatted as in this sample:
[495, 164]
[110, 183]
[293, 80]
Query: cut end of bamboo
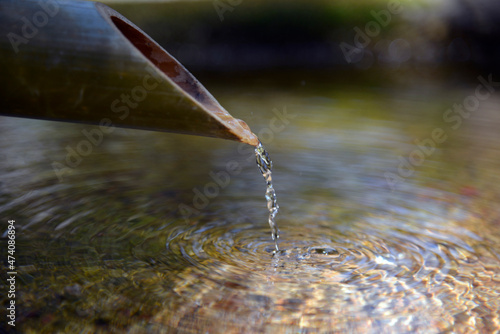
[245, 134]
[186, 82]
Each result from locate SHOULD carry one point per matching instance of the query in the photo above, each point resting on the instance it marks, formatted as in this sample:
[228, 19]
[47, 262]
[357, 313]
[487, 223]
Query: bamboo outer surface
[81, 61]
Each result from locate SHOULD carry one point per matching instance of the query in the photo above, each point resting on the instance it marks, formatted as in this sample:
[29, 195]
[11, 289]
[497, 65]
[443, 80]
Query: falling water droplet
[265, 166]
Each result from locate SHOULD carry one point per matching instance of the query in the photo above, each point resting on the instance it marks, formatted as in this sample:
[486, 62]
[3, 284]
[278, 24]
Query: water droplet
[265, 166]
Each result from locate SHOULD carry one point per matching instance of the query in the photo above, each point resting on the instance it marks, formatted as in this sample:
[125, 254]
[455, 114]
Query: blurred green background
[383, 40]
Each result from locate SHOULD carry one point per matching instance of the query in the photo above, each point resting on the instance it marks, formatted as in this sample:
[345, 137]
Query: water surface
[162, 233]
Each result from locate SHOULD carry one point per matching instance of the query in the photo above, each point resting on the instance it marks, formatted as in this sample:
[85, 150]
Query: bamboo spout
[80, 61]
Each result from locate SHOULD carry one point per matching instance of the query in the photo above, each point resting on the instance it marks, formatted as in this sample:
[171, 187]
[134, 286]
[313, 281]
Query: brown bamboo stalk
[81, 61]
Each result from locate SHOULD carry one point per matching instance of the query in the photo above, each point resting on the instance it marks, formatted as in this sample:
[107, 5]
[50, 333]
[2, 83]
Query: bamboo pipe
[80, 61]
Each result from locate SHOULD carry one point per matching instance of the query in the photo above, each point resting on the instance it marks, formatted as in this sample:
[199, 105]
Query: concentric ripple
[107, 249]
[366, 268]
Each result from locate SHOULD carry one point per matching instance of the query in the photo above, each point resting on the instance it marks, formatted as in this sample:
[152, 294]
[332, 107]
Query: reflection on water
[107, 248]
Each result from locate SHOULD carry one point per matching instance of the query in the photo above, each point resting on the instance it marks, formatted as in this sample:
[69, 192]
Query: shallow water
[164, 233]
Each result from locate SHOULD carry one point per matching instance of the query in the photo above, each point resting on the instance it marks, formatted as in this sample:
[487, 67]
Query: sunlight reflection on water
[108, 249]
